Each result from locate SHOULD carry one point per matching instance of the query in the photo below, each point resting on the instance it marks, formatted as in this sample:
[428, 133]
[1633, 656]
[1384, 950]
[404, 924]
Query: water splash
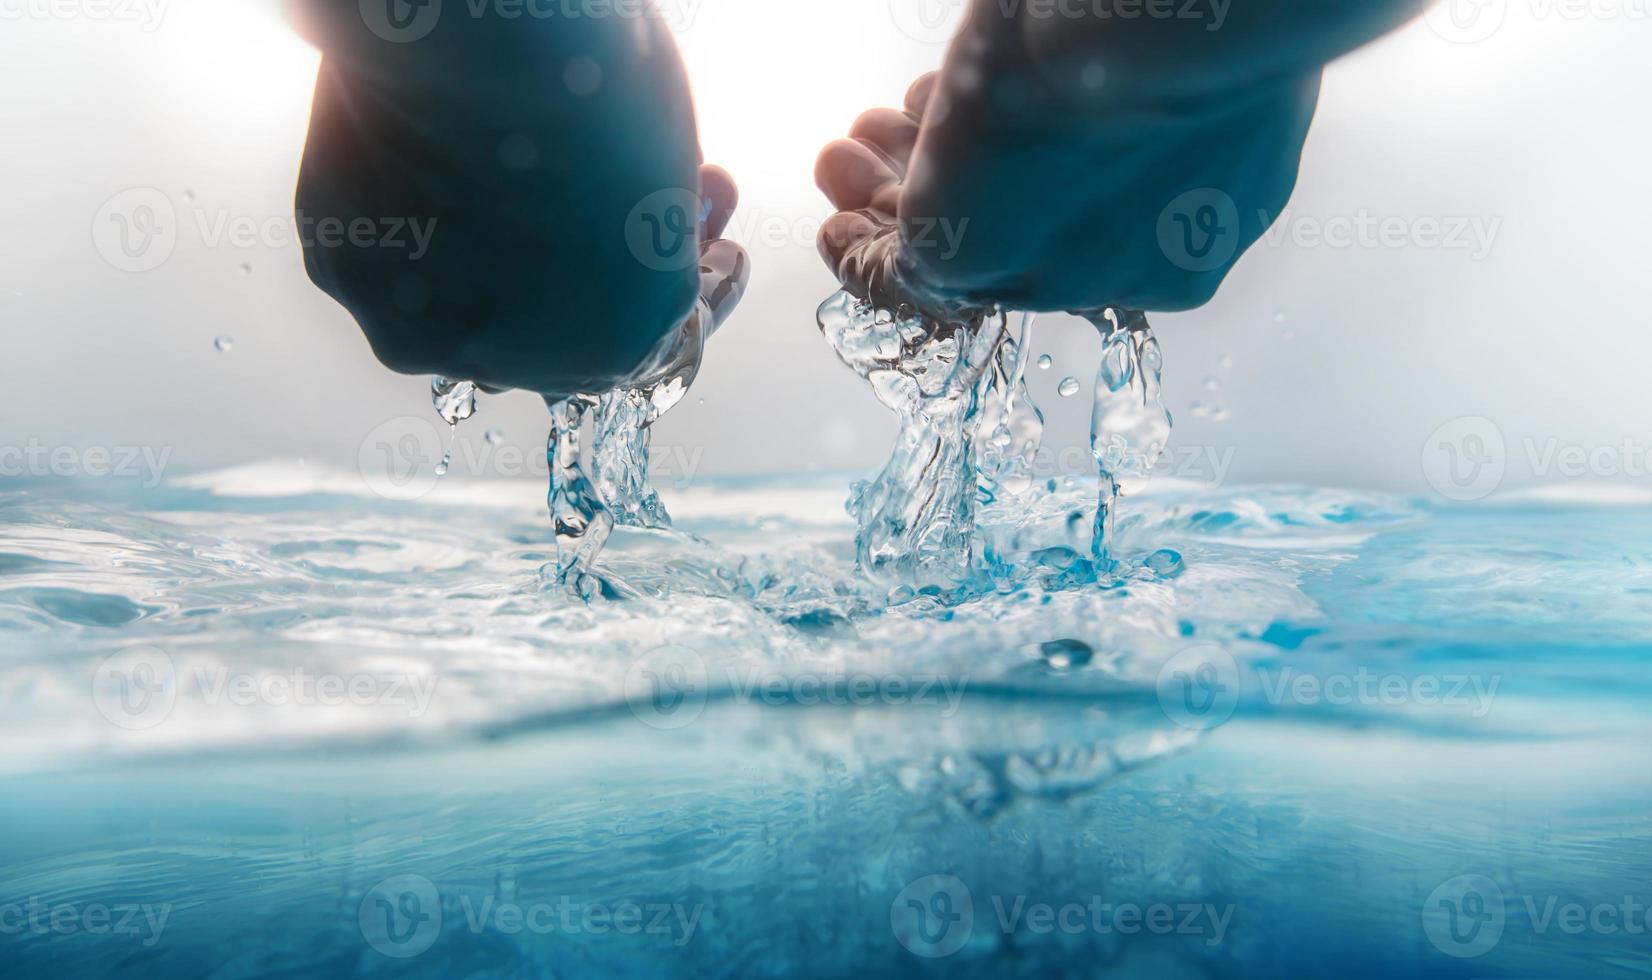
[917, 519]
[580, 519]
[957, 382]
[588, 500]
[1011, 427]
[1130, 428]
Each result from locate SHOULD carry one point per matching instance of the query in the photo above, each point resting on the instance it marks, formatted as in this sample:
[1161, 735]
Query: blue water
[1344, 735]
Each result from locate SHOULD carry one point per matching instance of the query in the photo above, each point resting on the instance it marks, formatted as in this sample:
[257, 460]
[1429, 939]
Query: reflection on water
[1303, 733]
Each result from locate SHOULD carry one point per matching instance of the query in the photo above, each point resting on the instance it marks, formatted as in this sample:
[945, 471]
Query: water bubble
[1067, 654]
[1212, 384]
[494, 437]
[1279, 317]
[1069, 387]
[224, 343]
[1046, 362]
[246, 269]
[189, 197]
[1225, 362]
[1166, 563]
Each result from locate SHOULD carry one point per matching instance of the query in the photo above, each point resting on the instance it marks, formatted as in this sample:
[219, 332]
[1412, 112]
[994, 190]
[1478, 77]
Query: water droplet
[1279, 317]
[444, 465]
[189, 197]
[246, 269]
[1225, 362]
[1165, 563]
[1067, 654]
[1212, 384]
[494, 436]
[1069, 387]
[1046, 362]
[224, 342]
[701, 401]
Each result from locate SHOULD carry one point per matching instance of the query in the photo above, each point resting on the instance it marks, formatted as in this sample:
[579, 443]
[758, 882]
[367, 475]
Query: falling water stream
[970, 432]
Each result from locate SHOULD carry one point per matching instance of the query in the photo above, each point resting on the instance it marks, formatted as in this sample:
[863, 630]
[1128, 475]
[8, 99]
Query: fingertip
[852, 175]
[719, 195]
[841, 233]
[918, 96]
[725, 271]
[889, 131]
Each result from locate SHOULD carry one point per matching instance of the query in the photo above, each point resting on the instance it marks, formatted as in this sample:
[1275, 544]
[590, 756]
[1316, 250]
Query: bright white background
[1541, 129]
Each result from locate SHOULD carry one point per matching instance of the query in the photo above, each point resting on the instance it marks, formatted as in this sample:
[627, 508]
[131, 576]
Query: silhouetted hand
[545, 175]
[1078, 162]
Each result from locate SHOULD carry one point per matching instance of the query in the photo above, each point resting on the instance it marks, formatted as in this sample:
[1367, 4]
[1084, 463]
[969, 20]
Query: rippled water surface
[301, 731]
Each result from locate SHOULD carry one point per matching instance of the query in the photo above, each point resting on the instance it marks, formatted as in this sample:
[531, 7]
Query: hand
[555, 167]
[1084, 163]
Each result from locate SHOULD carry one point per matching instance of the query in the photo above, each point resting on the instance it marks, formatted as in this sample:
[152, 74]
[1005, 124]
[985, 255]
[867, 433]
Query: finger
[842, 233]
[725, 271]
[889, 131]
[855, 177]
[718, 197]
[917, 97]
